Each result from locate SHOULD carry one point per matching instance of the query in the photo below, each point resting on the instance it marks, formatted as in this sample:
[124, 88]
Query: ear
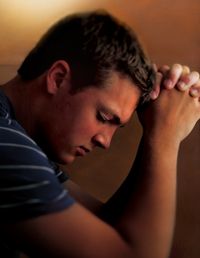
[58, 73]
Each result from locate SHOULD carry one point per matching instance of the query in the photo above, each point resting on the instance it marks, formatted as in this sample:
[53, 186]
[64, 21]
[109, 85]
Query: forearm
[143, 209]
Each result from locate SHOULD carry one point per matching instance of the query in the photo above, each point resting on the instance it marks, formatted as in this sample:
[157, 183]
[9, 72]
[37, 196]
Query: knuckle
[178, 67]
[182, 86]
[175, 72]
[185, 69]
[194, 92]
[191, 78]
[195, 74]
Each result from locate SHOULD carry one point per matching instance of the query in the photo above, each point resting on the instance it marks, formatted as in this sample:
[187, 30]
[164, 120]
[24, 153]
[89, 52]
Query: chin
[61, 157]
[65, 159]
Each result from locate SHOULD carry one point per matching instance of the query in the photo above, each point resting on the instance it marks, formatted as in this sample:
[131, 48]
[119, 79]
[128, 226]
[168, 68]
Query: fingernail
[167, 83]
[194, 93]
[182, 85]
[153, 95]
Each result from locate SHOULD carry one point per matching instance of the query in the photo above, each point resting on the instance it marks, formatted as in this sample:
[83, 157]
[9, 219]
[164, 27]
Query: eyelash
[101, 117]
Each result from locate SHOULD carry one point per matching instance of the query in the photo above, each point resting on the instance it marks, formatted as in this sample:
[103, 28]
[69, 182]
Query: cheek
[84, 127]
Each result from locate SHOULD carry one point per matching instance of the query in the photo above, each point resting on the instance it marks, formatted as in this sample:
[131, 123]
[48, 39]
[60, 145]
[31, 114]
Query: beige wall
[170, 33]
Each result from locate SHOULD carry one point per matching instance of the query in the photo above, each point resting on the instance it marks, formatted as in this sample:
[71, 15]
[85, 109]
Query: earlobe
[58, 73]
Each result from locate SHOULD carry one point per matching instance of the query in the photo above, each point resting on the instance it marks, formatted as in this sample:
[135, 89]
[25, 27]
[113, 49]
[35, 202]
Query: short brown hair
[94, 44]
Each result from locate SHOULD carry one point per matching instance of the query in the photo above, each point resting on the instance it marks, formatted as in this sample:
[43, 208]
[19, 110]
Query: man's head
[95, 73]
[94, 44]
[71, 125]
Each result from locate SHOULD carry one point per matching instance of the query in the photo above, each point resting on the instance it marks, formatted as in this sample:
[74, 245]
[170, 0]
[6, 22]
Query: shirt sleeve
[29, 186]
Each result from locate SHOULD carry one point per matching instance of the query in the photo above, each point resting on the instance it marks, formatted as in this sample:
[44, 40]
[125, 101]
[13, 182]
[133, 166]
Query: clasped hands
[178, 76]
[174, 107]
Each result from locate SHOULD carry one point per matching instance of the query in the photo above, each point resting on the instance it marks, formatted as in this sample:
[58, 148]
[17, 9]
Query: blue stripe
[17, 132]
[27, 167]
[24, 187]
[23, 146]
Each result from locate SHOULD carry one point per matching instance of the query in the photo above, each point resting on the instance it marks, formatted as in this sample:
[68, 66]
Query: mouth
[81, 151]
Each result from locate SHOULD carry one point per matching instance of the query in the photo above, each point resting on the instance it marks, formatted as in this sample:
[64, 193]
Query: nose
[103, 139]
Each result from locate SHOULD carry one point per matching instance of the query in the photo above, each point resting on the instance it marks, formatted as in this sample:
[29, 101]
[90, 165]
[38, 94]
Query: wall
[170, 33]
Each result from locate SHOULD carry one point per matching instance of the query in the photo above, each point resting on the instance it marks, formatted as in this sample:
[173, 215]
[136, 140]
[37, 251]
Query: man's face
[75, 124]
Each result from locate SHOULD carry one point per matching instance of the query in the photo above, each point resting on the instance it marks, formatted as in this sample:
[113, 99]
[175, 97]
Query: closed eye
[102, 117]
[112, 119]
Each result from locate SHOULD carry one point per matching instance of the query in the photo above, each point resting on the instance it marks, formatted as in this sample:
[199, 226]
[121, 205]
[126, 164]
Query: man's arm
[145, 223]
[83, 197]
[144, 206]
[151, 183]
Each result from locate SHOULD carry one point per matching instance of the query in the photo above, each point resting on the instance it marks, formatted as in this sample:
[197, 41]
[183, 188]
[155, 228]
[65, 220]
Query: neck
[22, 95]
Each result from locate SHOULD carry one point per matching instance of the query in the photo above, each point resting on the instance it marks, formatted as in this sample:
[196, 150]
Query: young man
[82, 81]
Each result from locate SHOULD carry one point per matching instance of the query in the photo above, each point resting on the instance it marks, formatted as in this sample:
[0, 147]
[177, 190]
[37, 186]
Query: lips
[81, 151]
[85, 149]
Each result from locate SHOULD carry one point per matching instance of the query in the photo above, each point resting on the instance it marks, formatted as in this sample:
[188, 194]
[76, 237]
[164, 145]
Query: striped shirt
[30, 185]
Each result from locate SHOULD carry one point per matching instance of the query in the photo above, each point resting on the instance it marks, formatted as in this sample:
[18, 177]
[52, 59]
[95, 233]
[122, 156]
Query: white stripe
[17, 132]
[60, 196]
[24, 187]
[12, 205]
[32, 201]
[58, 174]
[27, 167]
[23, 146]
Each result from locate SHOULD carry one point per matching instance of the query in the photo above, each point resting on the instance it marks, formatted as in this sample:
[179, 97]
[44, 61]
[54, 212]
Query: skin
[144, 226]
[178, 76]
[73, 125]
[87, 119]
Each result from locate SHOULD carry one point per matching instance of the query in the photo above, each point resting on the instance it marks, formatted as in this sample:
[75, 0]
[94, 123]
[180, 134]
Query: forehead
[120, 95]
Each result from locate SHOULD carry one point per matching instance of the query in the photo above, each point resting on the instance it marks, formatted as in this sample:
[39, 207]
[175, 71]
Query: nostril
[102, 141]
[99, 144]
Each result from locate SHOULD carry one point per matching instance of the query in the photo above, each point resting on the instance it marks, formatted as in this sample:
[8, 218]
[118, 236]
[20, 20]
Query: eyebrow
[116, 119]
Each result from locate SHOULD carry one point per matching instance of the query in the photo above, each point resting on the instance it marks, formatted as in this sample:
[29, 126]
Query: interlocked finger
[186, 70]
[173, 76]
[195, 90]
[164, 69]
[187, 80]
